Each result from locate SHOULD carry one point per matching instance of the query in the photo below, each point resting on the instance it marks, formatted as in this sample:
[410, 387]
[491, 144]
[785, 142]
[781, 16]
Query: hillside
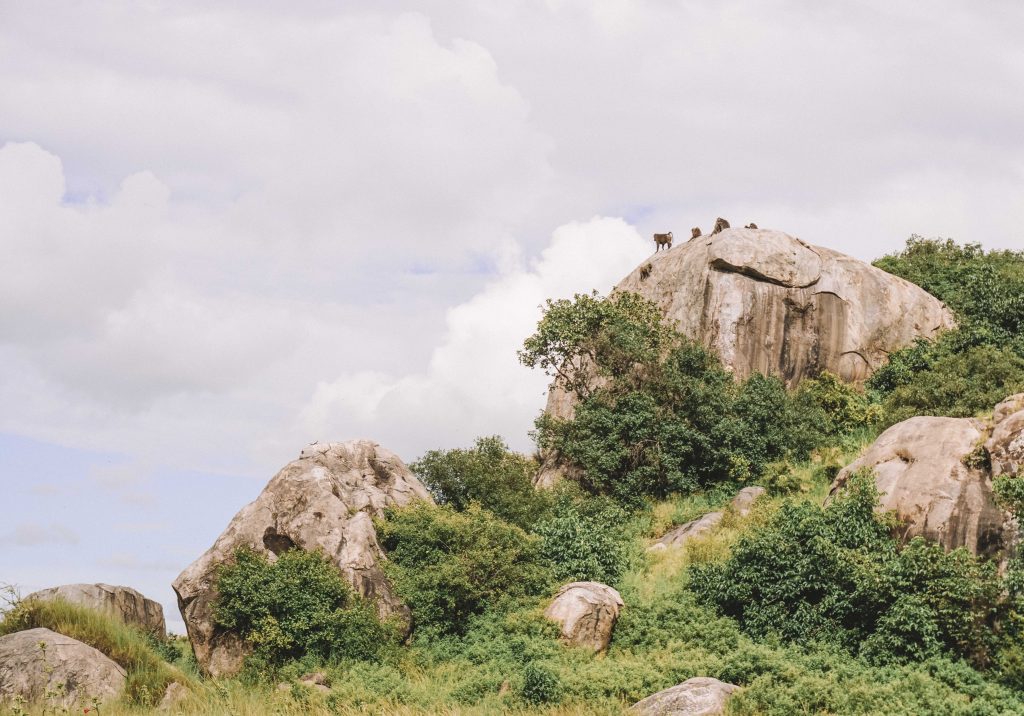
[738, 515]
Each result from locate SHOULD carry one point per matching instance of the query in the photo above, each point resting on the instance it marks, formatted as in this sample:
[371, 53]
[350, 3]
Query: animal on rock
[720, 224]
[645, 272]
[661, 240]
[695, 232]
[751, 225]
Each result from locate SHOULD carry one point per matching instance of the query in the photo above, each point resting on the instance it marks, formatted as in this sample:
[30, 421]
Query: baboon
[751, 225]
[695, 231]
[645, 272]
[720, 224]
[662, 239]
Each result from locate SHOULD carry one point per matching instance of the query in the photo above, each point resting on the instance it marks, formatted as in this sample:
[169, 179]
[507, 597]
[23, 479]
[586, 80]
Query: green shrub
[299, 606]
[836, 575]
[585, 539]
[490, 474]
[540, 685]
[449, 565]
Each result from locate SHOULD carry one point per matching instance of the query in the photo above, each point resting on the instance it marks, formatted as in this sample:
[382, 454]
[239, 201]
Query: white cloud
[29, 534]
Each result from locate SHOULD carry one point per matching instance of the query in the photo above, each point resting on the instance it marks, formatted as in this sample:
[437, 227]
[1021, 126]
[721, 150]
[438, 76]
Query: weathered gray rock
[744, 500]
[767, 302]
[42, 666]
[586, 612]
[922, 469]
[684, 533]
[741, 504]
[324, 500]
[1006, 445]
[123, 602]
[174, 697]
[699, 696]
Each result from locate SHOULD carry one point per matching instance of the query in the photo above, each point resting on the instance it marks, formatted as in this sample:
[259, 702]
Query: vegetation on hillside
[809, 609]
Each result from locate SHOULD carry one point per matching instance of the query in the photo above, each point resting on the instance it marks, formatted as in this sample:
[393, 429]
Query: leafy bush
[298, 606]
[836, 575]
[448, 565]
[490, 474]
[540, 685]
[585, 539]
[839, 408]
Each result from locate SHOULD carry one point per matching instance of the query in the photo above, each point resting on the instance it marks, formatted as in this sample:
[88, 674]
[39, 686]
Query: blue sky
[228, 230]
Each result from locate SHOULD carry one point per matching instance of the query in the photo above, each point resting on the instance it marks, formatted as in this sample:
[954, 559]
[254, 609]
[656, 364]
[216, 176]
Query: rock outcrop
[1005, 447]
[924, 470]
[586, 612]
[123, 602]
[40, 665]
[699, 696]
[767, 302]
[324, 500]
[741, 505]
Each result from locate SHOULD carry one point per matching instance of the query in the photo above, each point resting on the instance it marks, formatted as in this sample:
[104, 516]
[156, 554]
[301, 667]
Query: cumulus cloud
[474, 384]
[30, 534]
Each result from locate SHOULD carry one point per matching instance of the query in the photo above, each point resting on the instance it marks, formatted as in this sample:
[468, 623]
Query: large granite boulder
[767, 302]
[324, 500]
[1005, 447]
[586, 612]
[924, 469]
[699, 696]
[42, 666]
[123, 602]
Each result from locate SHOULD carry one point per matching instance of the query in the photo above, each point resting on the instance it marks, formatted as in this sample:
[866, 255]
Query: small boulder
[699, 696]
[174, 695]
[1007, 407]
[123, 602]
[681, 535]
[37, 662]
[587, 612]
[324, 500]
[923, 470]
[744, 501]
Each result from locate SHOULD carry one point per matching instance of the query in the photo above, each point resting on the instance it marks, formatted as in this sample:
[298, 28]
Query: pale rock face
[699, 696]
[75, 672]
[586, 612]
[744, 500]
[1007, 407]
[767, 302]
[123, 602]
[324, 500]
[1006, 445]
[920, 469]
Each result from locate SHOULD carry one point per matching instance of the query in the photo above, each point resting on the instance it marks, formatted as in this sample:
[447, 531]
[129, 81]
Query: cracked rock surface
[324, 500]
[126, 603]
[699, 696]
[586, 612]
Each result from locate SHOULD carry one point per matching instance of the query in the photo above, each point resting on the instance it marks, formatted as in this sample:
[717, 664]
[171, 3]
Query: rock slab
[923, 469]
[123, 602]
[586, 612]
[324, 500]
[699, 696]
[42, 666]
[742, 504]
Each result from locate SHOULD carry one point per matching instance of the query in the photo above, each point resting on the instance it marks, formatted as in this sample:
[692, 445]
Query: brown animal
[695, 231]
[662, 239]
[720, 224]
[751, 225]
[645, 272]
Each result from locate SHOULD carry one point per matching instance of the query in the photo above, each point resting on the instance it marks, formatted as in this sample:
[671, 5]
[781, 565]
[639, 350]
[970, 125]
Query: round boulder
[123, 602]
[40, 665]
[924, 470]
[324, 500]
[699, 696]
[586, 612]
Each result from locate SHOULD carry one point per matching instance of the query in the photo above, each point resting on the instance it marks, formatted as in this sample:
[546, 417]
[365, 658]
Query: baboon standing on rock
[720, 224]
[661, 240]
[751, 225]
[695, 231]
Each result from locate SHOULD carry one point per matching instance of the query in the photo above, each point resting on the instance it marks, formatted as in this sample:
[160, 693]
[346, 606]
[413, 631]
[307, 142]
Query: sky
[230, 229]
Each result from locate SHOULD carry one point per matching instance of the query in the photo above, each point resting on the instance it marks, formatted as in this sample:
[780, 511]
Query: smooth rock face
[124, 602]
[744, 500]
[920, 470]
[324, 500]
[1007, 407]
[699, 696]
[76, 672]
[587, 612]
[767, 302]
